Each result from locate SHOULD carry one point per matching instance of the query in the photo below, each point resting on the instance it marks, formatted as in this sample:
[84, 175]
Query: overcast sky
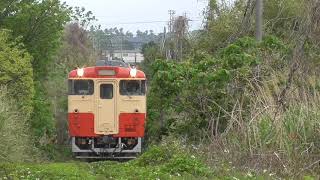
[142, 14]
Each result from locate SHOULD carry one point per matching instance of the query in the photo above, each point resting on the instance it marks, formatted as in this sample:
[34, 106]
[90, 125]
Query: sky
[132, 15]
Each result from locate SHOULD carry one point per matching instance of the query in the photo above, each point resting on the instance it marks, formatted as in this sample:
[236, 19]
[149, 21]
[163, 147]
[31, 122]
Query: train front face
[106, 112]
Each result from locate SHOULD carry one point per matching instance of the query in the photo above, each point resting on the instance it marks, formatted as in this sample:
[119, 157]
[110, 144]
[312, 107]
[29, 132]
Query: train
[107, 110]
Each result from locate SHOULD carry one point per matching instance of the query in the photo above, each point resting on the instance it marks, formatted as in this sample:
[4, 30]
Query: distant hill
[115, 39]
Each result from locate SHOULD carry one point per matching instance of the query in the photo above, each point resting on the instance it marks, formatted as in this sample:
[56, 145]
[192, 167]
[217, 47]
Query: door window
[106, 91]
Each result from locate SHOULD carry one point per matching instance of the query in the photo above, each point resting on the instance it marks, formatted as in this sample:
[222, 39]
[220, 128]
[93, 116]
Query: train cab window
[133, 87]
[81, 87]
[106, 91]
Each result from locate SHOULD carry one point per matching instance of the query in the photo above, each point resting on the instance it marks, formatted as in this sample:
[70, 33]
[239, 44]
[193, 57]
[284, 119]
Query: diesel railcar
[107, 110]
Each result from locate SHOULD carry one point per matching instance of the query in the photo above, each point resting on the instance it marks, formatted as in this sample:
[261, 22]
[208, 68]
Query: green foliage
[229, 88]
[56, 86]
[162, 162]
[242, 54]
[42, 118]
[16, 72]
[272, 43]
[83, 17]
[40, 25]
[198, 90]
[221, 26]
[284, 16]
[227, 23]
[76, 50]
[172, 164]
[300, 127]
[150, 52]
[45, 171]
[185, 164]
[154, 156]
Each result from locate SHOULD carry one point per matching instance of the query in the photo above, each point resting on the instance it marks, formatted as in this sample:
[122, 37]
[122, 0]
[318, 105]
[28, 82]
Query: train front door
[106, 121]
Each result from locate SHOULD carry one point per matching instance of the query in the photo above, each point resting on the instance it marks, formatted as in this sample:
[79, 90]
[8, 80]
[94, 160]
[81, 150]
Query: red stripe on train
[81, 124]
[92, 72]
[131, 125]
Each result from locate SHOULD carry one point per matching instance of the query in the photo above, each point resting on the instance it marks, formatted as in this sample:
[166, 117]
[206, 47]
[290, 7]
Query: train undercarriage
[106, 147]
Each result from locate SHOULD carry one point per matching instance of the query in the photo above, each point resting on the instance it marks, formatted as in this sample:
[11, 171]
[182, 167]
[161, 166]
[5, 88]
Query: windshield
[133, 87]
[81, 87]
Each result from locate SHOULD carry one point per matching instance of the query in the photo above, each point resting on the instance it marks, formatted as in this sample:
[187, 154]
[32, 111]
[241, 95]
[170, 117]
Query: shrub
[188, 97]
[165, 161]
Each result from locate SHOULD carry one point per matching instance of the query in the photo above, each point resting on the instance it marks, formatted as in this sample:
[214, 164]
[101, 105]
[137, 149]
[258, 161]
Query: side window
[106, 91]
[81, 87]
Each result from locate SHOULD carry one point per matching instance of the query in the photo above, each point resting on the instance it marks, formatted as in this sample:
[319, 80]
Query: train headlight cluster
[80, 72]
[133, 72]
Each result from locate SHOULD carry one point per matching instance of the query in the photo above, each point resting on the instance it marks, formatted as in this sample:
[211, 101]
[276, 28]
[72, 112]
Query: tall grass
[15, 144]
[265, 135]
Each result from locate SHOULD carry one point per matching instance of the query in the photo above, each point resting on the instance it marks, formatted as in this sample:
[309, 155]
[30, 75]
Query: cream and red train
[107, 110]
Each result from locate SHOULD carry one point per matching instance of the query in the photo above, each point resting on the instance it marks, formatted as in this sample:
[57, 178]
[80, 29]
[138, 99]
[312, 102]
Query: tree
[39, 26]
[77, 50]
[82, 17]
[16, 72]
[151, 52]
[139, 33]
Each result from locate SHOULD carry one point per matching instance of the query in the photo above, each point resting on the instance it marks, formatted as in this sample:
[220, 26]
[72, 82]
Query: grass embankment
[159, 162]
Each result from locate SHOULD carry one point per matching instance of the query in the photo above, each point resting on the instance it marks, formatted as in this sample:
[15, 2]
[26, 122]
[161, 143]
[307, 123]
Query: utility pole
[259, 20]
[163, 41]
[170, 34]
[171, 20]
[180, 29]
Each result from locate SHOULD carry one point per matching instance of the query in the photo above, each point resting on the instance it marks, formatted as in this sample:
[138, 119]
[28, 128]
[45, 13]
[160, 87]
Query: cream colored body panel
[132, 104]
[107, 119]
[81, 104]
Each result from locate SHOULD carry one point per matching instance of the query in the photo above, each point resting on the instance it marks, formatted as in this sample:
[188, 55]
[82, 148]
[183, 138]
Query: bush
[16, 94]
[200, 90]
[166, 161]
[42, 121]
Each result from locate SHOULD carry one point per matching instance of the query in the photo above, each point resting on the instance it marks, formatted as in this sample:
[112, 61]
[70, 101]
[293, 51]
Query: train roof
[106, 72]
